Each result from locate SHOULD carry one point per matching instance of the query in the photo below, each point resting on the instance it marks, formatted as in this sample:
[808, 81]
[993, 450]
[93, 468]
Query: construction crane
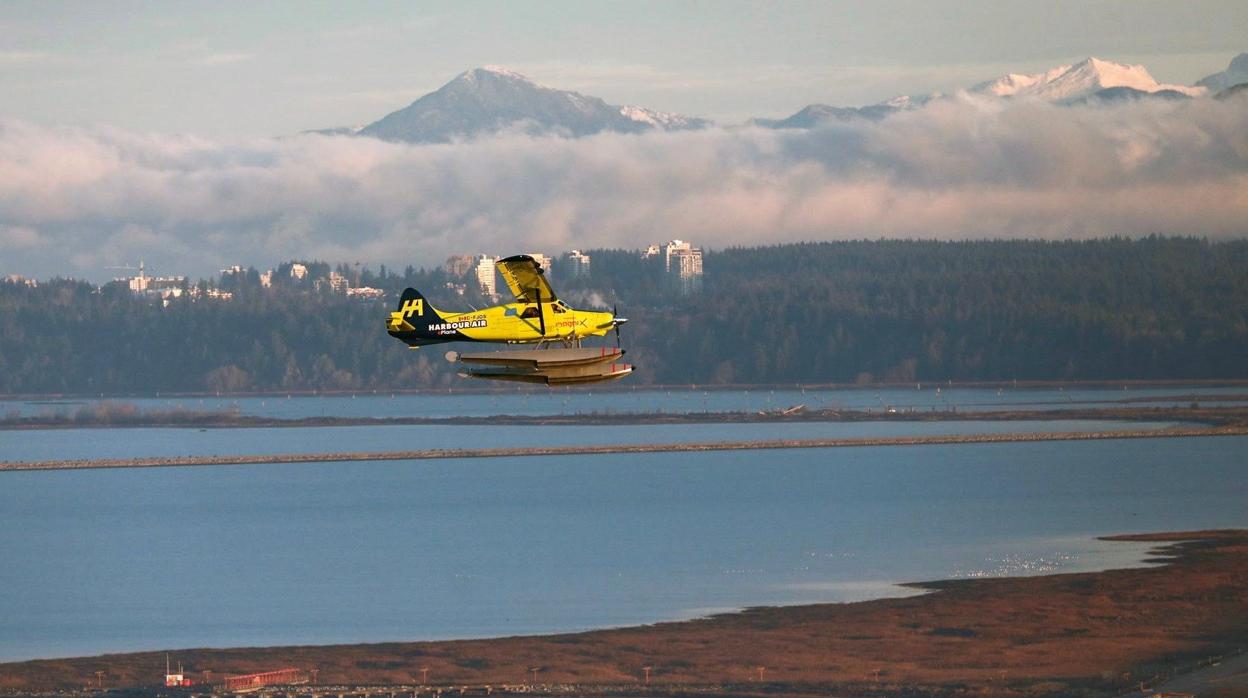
[142, 277]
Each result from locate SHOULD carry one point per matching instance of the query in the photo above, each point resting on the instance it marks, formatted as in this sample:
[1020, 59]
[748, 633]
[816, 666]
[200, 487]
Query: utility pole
[424, 676]
[761, 669]
[535, 669]
[99, 679]
[647, 670]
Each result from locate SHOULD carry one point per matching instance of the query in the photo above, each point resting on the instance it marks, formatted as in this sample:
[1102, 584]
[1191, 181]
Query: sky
[169, 132]
[247, 69]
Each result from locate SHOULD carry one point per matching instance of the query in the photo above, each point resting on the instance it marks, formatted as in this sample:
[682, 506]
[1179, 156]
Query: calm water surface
[585, 401]
[55, 444]
[112, 560]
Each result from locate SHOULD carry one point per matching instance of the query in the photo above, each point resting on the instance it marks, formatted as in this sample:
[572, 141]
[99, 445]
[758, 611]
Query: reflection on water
[113, 560]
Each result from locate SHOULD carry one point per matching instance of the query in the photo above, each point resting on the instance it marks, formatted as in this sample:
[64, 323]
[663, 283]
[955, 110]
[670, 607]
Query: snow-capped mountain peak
[665, 120]
[910, 101]
[490, 75]
[491, 99]
[1079, 80]
[1013, 84]
[1090, 80]
[501, 71]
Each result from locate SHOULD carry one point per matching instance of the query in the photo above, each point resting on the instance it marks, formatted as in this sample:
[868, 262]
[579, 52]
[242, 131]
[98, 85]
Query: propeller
[617, 321]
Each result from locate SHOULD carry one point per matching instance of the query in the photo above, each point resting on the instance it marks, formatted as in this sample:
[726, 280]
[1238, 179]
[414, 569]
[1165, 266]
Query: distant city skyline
[240, 70]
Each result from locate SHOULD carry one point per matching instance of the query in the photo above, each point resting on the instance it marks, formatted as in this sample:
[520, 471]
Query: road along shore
[431, 454]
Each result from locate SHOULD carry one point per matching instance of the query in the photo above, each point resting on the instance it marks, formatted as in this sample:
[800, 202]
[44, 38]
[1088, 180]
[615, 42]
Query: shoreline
[549, 451]
[1085, 633]
[609, 388]
[130, 417]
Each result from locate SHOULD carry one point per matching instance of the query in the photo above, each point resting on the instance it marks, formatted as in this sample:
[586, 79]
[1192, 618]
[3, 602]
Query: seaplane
[536, 317]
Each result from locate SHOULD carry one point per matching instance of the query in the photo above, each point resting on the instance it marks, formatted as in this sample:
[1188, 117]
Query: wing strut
[541, 316]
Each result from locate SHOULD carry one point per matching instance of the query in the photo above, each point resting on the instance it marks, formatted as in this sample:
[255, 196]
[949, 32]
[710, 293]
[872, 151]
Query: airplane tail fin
[414, 313]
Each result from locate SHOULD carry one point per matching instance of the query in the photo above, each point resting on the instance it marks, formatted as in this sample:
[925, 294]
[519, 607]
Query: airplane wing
[526, 279]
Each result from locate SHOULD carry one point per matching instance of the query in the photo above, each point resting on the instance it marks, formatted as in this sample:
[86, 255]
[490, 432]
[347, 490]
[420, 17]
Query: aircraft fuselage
[417, 323]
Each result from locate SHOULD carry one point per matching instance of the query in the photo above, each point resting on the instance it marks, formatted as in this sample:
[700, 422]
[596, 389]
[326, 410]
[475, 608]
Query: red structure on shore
[250, 682]
[179, 679]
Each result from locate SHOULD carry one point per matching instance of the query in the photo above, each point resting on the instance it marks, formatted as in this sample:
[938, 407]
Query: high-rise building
[485, 274]
[672, 248]
[683, 263]
[578, 264]
[687, 269]
[460, 264]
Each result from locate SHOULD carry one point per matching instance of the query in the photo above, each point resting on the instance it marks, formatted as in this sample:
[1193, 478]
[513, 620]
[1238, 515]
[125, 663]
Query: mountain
[1091, 80]
[492, 99]
[1233, 91]
[1235, 74]
[336, 131]
[1126, 94]
[816, 114]
[1080, 80]
[666, 120]
[813, 115]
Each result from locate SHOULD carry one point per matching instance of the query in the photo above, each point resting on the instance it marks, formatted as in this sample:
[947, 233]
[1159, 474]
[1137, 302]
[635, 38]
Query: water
[53, 444]
[586, 401]
[115, 560]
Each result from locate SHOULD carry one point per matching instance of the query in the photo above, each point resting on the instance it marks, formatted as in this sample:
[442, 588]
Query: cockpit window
[530, 312]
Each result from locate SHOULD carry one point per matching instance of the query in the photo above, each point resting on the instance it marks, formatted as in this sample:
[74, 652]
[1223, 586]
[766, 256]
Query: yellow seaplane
[536, 317]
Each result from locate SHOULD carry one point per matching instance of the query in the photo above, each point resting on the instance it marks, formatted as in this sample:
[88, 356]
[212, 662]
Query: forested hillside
[1156, 308]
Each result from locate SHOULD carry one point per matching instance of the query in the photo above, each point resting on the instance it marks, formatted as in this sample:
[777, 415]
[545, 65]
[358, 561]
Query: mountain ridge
[1078, 80]
[1092, 80]
[1236, 73]
[491, 99]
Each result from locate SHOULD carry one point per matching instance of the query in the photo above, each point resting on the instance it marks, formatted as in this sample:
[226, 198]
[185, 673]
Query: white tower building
[485, 274]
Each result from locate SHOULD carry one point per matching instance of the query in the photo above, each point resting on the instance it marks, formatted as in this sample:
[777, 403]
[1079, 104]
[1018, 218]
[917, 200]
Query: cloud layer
[74, 200]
